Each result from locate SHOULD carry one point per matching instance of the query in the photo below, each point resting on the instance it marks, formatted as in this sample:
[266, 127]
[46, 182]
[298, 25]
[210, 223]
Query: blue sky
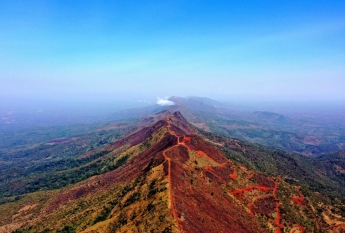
[140, 50]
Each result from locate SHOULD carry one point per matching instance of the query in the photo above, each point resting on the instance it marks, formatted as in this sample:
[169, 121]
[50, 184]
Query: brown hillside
[172, 181]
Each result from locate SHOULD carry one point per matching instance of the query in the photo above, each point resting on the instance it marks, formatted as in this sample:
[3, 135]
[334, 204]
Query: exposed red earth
[210, 167]
[264, 204]
[262, 197]
[298, 200]
[207, 167]
[206, 191]
[173, 211]
[249, 189]
[233, 175]
[278, 219]
[261, 203]
[251, 174]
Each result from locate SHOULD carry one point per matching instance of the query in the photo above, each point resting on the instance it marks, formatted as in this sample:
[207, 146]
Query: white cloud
[164, 102]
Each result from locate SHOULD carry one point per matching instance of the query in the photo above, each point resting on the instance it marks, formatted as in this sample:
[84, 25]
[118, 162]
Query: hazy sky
[140, 50]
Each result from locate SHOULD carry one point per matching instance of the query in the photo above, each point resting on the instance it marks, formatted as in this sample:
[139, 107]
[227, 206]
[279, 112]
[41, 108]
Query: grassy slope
[314, 173]
[104, 210]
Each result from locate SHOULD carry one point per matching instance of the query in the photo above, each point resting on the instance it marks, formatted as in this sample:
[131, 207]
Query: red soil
[198, 201]
[137, 137]
[205, 207]
[211, 174]
[121, 175]
[278, 220]
[250, 206]
[298, 200]
[171, 191]
[217, 212]
[201, 153]
[250, 188]
[223, 165]
[264, 181]
[180, 140]
[233, 175]
[205, 149]
[133, 139]
[251, 174]
[263, 188]
[265, 204]
[241, 191]
[218, 172]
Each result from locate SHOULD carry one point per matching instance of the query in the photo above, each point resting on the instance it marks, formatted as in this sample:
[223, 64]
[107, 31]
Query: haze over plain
[91, 52]
[264, 153]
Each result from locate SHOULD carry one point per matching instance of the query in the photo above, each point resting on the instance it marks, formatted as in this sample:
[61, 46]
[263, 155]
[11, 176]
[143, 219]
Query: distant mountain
[307, 134]
[270, 117]
[165, 175]
[197, 102]
[301, 135]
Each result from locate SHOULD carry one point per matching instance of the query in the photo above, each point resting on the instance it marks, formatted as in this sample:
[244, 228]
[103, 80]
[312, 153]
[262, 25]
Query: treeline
[74, 171]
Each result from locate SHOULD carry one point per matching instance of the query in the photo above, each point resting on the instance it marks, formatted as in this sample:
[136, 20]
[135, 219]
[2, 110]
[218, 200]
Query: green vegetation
[67, 229]
[317, 173]
[312, 135]
[105, 212]
[108, 204]
[119, 208]
[58, 168]
[58, 163]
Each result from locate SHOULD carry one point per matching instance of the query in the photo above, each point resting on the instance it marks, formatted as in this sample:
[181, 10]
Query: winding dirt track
[217, 170]
[170, 191]
[278, 221]
[181, 142]
[298, 200]
[169, 178]
[239, 192]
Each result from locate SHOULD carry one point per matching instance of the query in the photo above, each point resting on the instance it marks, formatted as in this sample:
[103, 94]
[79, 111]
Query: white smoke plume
[164, 102]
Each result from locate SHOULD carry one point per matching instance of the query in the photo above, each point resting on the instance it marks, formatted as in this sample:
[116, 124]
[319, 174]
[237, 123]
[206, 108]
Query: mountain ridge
[166, 177]
[309, 135]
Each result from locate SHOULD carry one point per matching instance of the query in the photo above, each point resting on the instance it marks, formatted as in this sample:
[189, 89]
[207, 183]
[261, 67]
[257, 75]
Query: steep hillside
[324, 174]
[63, 161]
[168, 177]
